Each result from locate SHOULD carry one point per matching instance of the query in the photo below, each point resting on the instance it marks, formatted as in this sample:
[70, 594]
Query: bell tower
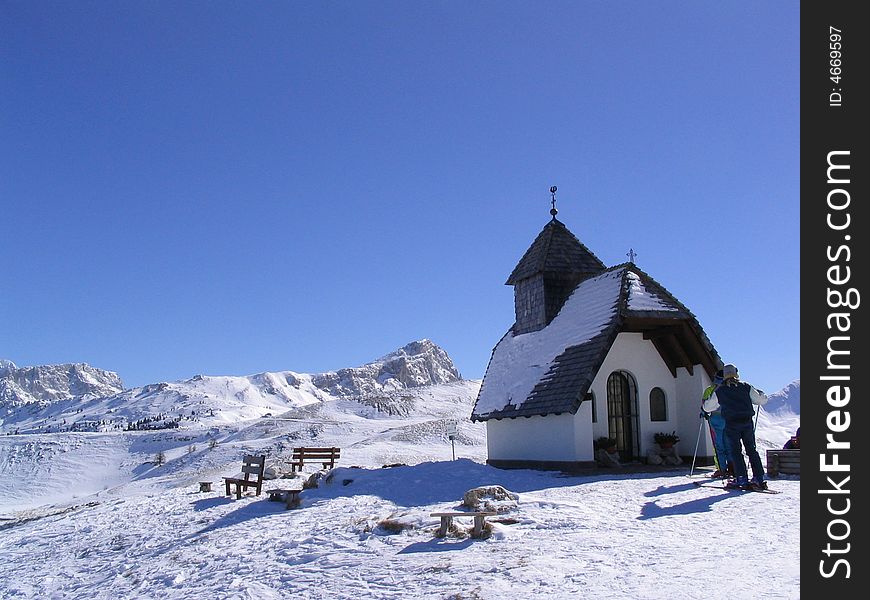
[547, 274]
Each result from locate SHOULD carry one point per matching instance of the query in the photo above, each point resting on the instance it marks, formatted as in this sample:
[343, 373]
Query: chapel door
[622, 424]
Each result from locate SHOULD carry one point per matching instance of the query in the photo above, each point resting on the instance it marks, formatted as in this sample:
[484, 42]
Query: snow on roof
[519, 362]
[639, 298]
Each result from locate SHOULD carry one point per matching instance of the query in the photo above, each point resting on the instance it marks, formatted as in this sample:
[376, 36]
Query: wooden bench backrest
[304, 453]
[784, 461]
[254, 465]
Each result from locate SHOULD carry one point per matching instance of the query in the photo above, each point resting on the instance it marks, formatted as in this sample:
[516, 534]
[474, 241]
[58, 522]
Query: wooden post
[446, 522]
[478, 525]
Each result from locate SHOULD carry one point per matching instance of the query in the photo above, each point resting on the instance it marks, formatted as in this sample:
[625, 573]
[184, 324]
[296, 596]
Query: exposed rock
[314, 480]
[493, 498]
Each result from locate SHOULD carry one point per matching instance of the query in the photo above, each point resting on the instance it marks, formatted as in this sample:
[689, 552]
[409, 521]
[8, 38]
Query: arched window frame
[658, 405]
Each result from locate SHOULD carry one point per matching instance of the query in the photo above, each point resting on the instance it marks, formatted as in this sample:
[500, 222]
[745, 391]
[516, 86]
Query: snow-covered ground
[87, 515]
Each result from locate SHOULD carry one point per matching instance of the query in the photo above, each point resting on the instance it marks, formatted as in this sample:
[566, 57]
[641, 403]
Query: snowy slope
[40, 465]
[89, 515]
[367, 533]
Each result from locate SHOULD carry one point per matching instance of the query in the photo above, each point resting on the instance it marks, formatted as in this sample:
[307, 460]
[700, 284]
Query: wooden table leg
[478, 525]
[446, 521]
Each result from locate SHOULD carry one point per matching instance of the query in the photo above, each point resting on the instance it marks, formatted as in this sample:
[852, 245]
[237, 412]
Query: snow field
[651, 536]
[89, 516]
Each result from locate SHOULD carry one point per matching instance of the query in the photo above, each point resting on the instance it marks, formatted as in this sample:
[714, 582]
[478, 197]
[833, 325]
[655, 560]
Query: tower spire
[553, 210]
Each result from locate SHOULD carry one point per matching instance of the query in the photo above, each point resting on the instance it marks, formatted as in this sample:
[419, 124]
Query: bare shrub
[392, 526]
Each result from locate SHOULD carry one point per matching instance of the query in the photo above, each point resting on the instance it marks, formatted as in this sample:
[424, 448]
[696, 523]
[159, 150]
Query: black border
[826, 128]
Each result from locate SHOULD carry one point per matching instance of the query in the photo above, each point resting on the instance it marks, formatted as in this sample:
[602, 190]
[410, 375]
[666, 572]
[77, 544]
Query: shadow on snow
[436, 545]
[430, 483]
[246, 512]
[651, 510]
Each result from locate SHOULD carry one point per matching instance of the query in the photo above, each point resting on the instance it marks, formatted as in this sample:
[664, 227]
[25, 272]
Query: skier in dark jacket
[736, 399]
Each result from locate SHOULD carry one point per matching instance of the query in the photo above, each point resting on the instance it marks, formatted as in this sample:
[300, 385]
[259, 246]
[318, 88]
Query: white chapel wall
[584, 433]
[690, 388]
[638, 357]
[549, 438]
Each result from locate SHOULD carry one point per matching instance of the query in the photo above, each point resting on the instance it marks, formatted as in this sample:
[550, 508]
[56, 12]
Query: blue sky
[229, 188]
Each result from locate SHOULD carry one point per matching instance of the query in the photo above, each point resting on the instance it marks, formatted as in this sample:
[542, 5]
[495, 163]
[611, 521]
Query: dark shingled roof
[673, 329]
[556, 250]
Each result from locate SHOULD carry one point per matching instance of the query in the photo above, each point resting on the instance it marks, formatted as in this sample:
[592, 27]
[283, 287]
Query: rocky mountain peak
[51, 383]
[788, 399]
[416, 364]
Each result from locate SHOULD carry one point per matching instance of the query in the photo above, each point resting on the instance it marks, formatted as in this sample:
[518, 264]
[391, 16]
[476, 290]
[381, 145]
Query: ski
[734, 489]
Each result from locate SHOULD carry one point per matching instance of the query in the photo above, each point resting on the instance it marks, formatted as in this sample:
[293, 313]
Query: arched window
[590, 397]
[658, 406]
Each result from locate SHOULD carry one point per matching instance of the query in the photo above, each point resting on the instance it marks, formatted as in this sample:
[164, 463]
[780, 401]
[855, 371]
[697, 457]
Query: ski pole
[720, 463]
[697, 442]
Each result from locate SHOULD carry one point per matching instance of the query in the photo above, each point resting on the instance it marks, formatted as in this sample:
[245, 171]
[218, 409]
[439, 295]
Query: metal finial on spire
[631, 254]
[553, 210]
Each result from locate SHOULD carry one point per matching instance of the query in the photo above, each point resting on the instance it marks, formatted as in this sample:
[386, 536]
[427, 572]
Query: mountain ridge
[44, 384]
[32, 405]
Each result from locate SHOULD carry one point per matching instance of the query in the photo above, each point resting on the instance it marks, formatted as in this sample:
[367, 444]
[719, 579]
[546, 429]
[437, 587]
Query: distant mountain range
[79, 397]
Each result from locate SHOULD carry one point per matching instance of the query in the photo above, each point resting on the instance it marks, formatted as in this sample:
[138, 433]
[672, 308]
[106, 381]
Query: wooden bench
[289, 497]
[787, 462]
[253, 468]
[326, 456]
[447, 521]
[205, 486]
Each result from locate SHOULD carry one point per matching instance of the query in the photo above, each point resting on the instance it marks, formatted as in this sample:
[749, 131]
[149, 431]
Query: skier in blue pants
[717, 431]
[737, 399]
